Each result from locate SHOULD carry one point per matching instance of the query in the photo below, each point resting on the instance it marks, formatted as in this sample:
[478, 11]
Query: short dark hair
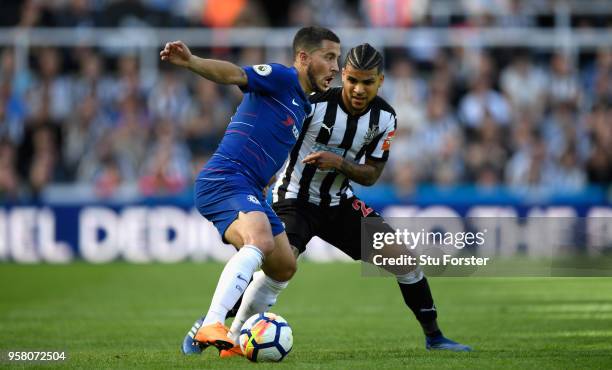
[364, 57]
[310, 38]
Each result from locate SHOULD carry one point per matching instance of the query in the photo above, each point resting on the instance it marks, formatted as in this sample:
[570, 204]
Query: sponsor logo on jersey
[289, 121]
[387, 143]
[328, 128]
[262, 69]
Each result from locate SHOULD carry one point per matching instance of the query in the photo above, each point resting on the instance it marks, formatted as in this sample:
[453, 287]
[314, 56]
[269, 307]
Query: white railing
[544, 38]
[146, 42]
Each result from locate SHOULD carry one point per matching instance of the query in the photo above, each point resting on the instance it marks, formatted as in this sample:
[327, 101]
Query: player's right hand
[176, 52]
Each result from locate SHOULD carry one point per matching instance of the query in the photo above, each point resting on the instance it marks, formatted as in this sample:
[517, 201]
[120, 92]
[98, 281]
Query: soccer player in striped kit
[347, 138]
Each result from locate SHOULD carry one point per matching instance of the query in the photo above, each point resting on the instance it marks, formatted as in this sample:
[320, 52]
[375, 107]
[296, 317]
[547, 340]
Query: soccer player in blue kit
[257, 141]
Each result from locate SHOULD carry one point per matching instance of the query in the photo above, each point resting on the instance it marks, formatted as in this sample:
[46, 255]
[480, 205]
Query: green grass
[135, 316]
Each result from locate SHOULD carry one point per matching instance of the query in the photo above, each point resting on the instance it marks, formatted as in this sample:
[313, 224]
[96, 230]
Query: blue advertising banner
[170, 233]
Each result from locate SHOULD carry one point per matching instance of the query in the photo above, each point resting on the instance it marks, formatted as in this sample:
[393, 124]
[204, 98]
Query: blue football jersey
[265, 126]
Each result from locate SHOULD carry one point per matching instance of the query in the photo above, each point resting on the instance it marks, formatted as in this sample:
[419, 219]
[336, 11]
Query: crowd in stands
[488, 117]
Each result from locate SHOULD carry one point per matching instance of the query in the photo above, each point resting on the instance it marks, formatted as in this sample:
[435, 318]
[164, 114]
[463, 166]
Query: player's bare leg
[251, 234]
[266, 286]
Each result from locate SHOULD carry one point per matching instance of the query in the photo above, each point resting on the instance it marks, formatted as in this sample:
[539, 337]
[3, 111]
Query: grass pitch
[135, 316]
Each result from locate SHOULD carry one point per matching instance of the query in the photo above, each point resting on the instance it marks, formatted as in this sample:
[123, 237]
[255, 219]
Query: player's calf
[281, 264]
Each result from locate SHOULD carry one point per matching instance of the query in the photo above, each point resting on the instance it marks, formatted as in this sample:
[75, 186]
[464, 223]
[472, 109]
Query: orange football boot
[215, 335]
[232, 352]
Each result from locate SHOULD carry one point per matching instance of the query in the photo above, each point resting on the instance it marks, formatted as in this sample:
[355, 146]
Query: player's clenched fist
[176, 52]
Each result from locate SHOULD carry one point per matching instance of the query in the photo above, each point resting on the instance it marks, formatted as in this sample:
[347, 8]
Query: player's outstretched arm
[219, 71]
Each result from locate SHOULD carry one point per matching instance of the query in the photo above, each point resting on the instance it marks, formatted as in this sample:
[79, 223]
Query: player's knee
[264, 243]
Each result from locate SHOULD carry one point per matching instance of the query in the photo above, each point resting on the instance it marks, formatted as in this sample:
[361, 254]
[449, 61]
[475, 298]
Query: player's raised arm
[219, 71]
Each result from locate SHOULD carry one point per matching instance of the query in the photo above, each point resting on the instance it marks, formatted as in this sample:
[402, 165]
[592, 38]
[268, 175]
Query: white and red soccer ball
[266, 337]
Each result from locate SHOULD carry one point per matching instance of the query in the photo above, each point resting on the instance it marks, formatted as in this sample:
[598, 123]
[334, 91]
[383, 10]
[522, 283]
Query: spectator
[562, 129]
[50, 99]
[108, 179]
[486, 150]
[599, 163]
[406, 92]
[530, 167]
[93, 81]
[393, 13]
[169, 99]
[45, 166]
[205, 125]
[167, 169]
[12, 114]
[569, 175]
[481, 100]
[34, 13]
[597, 78]
[94, 166]
[9, 178]
[82, 131]
[563, 83]
[131, 134]
[524, 86]
[17, 76]
[516, 13]
[77, 14]
[439, 143]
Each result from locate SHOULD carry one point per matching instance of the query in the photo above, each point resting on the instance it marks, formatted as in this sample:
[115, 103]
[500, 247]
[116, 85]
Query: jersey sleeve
[378, 149]
[267, 78]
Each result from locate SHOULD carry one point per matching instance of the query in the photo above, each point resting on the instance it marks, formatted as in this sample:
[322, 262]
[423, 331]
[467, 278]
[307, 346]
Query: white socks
[259, 297]
[233, 281]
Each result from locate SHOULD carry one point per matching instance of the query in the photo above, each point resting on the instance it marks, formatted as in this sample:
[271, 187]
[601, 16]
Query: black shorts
[338, 225]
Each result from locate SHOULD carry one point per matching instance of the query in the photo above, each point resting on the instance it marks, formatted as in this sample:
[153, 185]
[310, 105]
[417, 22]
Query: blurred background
[503, 103]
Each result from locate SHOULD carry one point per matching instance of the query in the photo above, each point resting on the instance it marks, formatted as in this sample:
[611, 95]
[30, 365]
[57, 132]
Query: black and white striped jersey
[331, 128]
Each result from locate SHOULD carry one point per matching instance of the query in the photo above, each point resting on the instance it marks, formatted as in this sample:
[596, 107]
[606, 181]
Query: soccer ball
[266, 337]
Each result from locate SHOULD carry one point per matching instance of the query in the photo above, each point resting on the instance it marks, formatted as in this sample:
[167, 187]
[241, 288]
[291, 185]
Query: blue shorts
[220, 200]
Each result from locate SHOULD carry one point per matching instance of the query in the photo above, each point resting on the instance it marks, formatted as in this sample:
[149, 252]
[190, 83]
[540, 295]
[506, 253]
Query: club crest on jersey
[296, 132]
[253, 199]
[370, 135]
[262, 69]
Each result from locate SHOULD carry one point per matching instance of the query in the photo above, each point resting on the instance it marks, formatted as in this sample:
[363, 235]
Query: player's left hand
[324, 160]
[176, 52]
